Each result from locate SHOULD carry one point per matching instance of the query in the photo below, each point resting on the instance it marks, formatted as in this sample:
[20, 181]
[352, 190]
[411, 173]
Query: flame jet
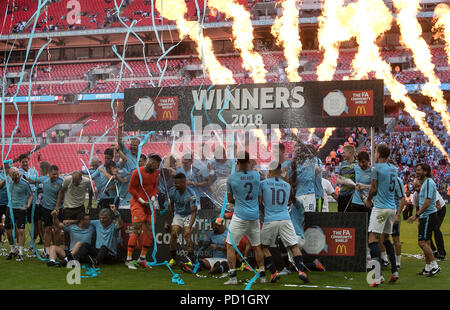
[373, 19]
[442, 26]
[411, 34]
[286, 31]
[243, 37]
[176, 10]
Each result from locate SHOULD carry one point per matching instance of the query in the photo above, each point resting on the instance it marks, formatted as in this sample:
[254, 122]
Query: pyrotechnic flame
[286, 31]
[311, 132]
[442, 26]
[259, 133]
[243, 37]
[176, 10]
[373, 19]
[328, 132]
[411, 34]
[333, 29]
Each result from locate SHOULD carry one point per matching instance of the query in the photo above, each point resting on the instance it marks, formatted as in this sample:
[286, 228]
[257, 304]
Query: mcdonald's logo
[341, 248]
[167, 115]
[361, 110]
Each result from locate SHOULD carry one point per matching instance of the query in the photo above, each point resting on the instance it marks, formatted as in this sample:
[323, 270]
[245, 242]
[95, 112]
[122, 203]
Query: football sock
[298, 261]
[191, 256]
[427, 267]
[391, 254]
[384, 256]
[434, 264]
[398, 259]
[20, 250]
[173, 254]
[147, 241]
[232, 273]
[131, 246]
[223, 266]
[375, 252]
[270, 264]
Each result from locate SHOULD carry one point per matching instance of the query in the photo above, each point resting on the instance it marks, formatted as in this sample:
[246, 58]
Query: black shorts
[72, 213]
[36, 213]
[105, 203]
[396, 229]
[19, 219]
[3, 210]
[426, 227]
[46, 216]
[344, 203]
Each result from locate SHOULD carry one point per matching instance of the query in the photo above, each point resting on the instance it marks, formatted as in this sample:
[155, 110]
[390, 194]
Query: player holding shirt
[184, 204]
[382, 188]
[427, 218]
[21, 199]
[274, 195]
[140, 207]
[243, 189]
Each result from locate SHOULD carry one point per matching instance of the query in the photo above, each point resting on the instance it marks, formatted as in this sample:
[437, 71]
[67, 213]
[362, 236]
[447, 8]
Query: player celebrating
[243, 189]
[382, 189]
[427, 218]
[51, 186]
[21, 199]
[184, 204]
[274, 195]
[142, 194]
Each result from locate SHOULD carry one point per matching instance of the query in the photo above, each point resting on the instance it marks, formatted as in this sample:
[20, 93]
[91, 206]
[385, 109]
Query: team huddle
[265, 208]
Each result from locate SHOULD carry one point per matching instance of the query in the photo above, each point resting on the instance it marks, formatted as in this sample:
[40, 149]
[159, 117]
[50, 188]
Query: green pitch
[34, 274]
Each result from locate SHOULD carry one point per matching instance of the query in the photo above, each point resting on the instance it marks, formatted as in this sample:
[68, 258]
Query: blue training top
[428, 191]
[386, 176]
[244, 185]
[275, 194]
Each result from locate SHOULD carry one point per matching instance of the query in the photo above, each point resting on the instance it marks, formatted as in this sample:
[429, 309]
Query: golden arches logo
[167, 115]
[341, 248]
[361, 110]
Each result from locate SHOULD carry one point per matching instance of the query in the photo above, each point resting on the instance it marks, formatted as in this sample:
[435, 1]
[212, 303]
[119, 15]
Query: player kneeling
[274, 195]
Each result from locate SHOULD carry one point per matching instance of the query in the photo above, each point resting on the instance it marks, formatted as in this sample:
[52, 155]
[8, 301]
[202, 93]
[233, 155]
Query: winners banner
[288, 105]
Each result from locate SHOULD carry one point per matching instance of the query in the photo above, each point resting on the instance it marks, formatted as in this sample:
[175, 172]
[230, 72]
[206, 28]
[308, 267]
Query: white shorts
[182, 221]
[308, 202]
[238, 228]
[300, 242]
[382, 220]
[284, 229]
[124, 207]
[213, 260]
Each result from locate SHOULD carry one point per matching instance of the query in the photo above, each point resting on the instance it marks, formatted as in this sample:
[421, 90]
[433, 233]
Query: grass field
[33, 274]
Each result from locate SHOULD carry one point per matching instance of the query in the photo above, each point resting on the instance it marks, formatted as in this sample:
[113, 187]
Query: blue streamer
[36, 15]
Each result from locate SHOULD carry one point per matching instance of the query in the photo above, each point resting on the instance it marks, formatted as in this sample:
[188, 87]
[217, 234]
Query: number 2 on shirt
[250, 185]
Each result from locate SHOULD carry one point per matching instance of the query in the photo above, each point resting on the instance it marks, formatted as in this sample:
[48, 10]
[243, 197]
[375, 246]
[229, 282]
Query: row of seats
[67, 87]
[56, 13]
[40, 122]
